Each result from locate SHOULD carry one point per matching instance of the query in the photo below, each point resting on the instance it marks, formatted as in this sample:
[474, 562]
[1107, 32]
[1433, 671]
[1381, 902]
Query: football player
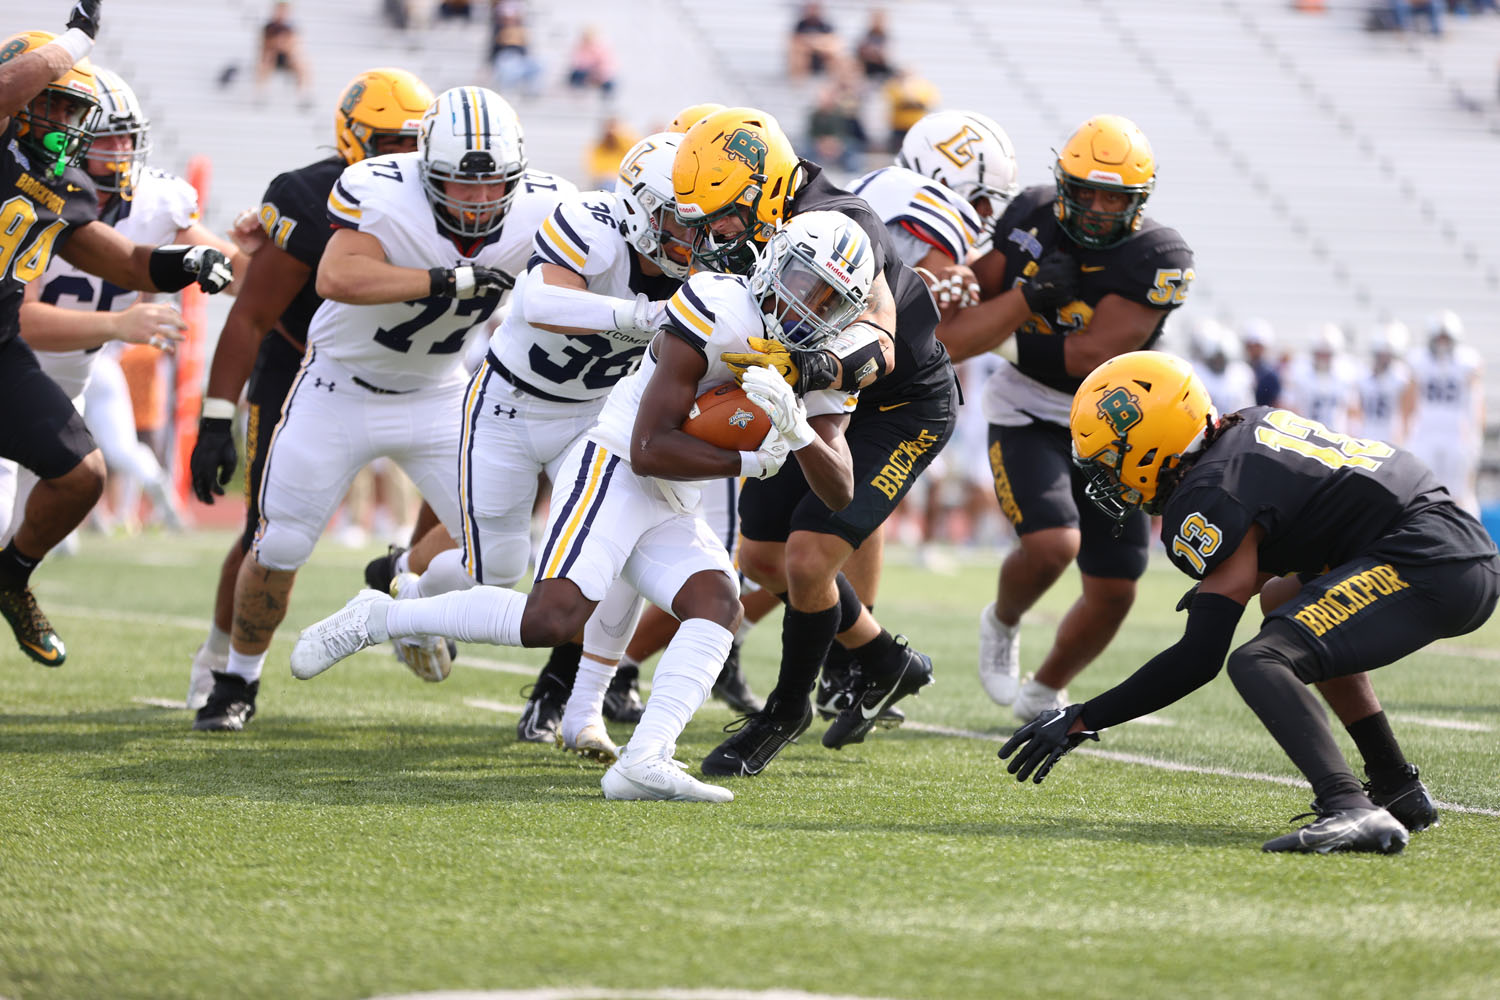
[265, 334]
[1076, 274]
[1386, 560]
[1382, 390]
[1230, 382]
[48, 108]
[626, 503]
[425, 245]
[1444, 407]
[1323, 385]
[737, 177]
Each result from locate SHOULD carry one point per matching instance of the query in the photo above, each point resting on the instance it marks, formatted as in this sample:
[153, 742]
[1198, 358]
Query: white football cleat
[1034, 698]
[341, 634]
[658, 778]
[592, 742]
[999, 657]
[426, 656]
[201, 677]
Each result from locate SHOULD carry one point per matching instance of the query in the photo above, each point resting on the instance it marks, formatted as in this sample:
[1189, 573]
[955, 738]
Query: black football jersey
[38, 213]
[922, 367]
[1153, 267]
[294, 214]
[1322, 497]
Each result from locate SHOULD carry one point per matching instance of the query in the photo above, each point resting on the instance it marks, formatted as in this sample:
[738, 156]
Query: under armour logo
[318, 383]
[501, 411]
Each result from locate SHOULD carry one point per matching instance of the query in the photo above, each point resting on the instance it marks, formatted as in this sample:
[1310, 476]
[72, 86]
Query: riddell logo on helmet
[837, 270]
[1107, 176]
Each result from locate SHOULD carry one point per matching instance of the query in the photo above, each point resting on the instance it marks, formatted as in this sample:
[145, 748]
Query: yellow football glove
[764, 353]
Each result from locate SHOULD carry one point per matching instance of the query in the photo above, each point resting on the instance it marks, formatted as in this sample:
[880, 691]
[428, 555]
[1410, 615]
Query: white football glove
[769, 391]
[767, 460]
[639, 318]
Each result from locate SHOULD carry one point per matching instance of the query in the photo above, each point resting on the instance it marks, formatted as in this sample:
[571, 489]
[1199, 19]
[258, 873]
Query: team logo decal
[741, 418]
[745, 145]
[631, 168]
[959, 147]
[1121, 408]
[15, 48]
[352, 98]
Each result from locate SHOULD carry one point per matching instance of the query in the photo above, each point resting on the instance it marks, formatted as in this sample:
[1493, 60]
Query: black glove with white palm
[468, 281]
[1054, 282]
[85, 17]
[769, 391]
[174, 267]
[1043, 742]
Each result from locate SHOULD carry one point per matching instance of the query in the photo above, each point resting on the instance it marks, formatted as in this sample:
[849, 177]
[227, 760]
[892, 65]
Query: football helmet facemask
[692, 115]
[967, 153]
[813, 278]
[377, 103]
[58, 124]
[643, 203]
[1107, 153]
[1134, 419]
[734, 163]
[118, 171]
[471, 156]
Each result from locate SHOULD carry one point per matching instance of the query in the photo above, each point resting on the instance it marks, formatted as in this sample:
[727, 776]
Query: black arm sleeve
[1175, 672]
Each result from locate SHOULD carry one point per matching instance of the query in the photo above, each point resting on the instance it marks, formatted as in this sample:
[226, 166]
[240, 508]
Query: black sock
[15, 568]
[562, 664]
[849, 606]
[1377, 745]
[839, 661]
[880, 657]
[805, 640]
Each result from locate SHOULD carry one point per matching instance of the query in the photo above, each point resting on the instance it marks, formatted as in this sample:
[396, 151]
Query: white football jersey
[402, 346]
[1380, 402]
[716, 314]
[1231, 389]
[1444, 397]
[1327, 396]
[163, 205]
[905, 200]
[581, 235]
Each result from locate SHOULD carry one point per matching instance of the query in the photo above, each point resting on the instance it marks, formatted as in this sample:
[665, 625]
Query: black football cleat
[877, 696]
[733, 689]
[1371, 831]
[755, 742]
[380, 571]
[622, 700]
[34, 633]
[543, 713]
[1405, 797]
[230, 704]
[836, 685]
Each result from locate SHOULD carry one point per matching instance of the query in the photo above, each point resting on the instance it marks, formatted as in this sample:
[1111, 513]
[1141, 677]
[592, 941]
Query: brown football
[724, 416]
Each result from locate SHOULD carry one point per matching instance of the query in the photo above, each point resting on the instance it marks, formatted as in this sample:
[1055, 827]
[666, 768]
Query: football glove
[1055, 282]
[769, 391]
[767, 460]
[1043, 742]
[803, 370]
[639, 318]
[214, 457]
[468, 281]
[172, 268]
[1186, 600]
[85, 17]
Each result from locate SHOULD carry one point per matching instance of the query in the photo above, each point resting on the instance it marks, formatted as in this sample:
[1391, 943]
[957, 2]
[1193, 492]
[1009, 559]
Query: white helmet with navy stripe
[644, 200]
[471, 156]
[813, 278]
[966, 152]
[118, 170]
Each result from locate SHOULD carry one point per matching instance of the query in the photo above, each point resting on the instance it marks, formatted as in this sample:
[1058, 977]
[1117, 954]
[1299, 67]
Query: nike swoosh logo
[1086, 269]
[869, 714]
[49, 655]
[892, 406]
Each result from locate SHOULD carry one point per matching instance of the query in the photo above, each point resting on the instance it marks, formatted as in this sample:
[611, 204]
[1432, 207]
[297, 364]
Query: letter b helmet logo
[1121, 408]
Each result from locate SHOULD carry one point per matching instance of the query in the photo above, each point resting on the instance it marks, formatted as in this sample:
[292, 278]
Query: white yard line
[1436, 723]
[596, 993]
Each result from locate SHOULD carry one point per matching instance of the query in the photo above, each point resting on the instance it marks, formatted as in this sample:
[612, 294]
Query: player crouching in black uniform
[1387, 561]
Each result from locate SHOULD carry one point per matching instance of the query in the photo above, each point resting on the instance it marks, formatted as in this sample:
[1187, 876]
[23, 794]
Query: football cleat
[380, 572]
[230, 704]
[341, 634]
[1405, 797]
[591, 742]
[856, 721]
[732, 689]
[999, 657]
[201, 676]
[33, 631]
[622, 700]
[755, 741]
[836, 685]
[657, 778]
[542, 717]
[1034, 698]
[1372, 831]
[429, 657]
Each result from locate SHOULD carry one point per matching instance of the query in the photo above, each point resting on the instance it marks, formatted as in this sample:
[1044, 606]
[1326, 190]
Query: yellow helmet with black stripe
[379, 103]
[57, 125]
[1107, 154]
[692, 115]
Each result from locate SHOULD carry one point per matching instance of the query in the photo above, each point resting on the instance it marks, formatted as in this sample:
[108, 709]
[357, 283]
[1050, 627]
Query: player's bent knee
[1270, 650]
[505, 561]
[711, 595]
[764, 563]
[85, 481]
[1054, 547]
[555, 612]
[284, 546]
[1113, 595]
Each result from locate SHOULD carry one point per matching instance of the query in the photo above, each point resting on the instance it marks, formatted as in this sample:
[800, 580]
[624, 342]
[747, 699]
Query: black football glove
[469, 281]
[213, 459]
[85, 17]
[1043, 742]
[1187, 599]
[1055, 283]
[209, 268]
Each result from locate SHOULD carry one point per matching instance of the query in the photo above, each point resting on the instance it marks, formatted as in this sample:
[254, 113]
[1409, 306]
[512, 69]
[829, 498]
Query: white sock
[443, 575]
[745, 627]
[586, 703]
[217, 642]
[246, 665]
[680, 686]
[483, 614]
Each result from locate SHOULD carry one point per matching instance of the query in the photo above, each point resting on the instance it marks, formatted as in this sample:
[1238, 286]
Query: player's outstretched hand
[154, 323]
[1055, 282]
[769, 391]
[85, 17]
[1043, 742]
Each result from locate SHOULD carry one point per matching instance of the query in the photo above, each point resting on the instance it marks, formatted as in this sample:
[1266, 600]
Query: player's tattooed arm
[880, 306]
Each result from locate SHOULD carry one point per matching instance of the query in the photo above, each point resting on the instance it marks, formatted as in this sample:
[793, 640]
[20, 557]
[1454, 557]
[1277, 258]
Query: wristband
[218, 409]
[1041, 354]
[750, 465]
[75, 42]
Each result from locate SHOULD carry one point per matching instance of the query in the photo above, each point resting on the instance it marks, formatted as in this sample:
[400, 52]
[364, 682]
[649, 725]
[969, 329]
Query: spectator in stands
[453, 10]
[909, 98]
[397, 13]
[281, 49]
[1399, 14]
[592, 63]
[602, 162]
[1258, 338]
[814, 47]
[834, 130]
[872, 53]
[511, 61]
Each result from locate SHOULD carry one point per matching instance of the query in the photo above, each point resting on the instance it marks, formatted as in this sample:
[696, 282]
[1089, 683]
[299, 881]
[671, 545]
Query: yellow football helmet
[692, 115]
[734, 163]
[58, 124]
[379, 102]
[1106, 153]
[1134, 418]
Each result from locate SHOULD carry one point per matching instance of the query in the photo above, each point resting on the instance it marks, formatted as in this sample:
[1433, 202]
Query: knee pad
[503, 561]
[284, 545]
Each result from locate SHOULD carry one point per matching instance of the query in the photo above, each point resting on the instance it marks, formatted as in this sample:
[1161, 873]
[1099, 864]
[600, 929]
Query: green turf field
[369, 834]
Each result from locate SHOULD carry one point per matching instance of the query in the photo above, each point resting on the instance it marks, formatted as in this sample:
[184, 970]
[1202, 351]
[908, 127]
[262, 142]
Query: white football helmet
[643, 202]
[966, 152]
[470, 141]
[1446, 324]
[121, 114]
[1391, 338]
[813, 278]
